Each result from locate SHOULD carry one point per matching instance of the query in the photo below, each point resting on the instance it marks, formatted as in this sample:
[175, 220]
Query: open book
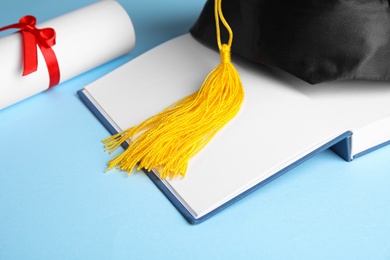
[282, 123]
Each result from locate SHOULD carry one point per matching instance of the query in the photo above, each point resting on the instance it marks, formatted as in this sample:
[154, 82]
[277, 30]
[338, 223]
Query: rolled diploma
[85, 39]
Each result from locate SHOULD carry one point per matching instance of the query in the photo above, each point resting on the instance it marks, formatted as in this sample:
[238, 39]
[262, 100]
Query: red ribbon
[45, 39]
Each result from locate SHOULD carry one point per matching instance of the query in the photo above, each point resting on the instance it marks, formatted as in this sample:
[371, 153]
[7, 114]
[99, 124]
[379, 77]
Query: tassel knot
[225, 53]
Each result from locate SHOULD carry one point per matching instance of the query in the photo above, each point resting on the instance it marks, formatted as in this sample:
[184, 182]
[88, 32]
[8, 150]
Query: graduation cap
[315, 40]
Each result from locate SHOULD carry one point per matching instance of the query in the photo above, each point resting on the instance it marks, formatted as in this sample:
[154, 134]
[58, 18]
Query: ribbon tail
[29, 53]
[52, 64]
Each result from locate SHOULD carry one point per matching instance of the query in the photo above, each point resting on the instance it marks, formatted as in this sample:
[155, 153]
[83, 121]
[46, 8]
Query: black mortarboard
[315, 40]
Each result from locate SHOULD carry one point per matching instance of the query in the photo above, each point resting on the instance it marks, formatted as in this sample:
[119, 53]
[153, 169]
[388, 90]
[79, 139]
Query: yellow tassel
[168, 140]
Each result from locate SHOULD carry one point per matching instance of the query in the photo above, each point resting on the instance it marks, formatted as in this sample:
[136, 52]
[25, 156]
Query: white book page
[276, 126]
[364, 106]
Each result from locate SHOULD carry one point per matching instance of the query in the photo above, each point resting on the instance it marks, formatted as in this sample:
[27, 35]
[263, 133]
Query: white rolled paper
[85, 39]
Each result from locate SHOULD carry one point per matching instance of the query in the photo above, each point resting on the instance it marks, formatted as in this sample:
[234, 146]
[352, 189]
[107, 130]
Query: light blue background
[56, 202]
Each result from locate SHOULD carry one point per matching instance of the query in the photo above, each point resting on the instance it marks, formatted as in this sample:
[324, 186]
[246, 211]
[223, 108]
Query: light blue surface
[56, 202]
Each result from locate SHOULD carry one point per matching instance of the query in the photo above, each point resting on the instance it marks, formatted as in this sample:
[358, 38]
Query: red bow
[45, 39]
